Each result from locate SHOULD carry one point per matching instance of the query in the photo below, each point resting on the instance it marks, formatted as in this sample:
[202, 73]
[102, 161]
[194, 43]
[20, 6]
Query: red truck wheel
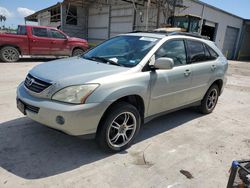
[77, 52]
[9, 54]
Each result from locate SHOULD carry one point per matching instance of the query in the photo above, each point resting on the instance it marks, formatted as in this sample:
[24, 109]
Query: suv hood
[73, 71]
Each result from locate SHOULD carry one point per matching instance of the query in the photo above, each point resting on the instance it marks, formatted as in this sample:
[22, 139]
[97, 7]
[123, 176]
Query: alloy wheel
[122, 129]
[212, 99]
[10, 54]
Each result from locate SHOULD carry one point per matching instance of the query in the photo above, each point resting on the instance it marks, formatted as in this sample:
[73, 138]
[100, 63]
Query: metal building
[244, 47]
[223, 28]
[97, 20]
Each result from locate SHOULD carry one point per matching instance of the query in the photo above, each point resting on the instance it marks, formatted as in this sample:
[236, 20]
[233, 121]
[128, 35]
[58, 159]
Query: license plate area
[21, 106]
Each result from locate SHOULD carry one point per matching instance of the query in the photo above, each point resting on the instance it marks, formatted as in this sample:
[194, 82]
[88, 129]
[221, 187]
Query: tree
[3, 19]
[167, 7]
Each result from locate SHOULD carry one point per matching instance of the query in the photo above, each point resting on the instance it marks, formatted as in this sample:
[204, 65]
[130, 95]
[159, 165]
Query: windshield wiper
[103, 60]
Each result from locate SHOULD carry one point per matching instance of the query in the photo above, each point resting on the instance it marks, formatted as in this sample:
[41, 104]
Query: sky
[237, 7]
[16, 10]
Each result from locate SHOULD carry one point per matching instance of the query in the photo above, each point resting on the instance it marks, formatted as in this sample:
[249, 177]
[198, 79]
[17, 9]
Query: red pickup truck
[40, 41]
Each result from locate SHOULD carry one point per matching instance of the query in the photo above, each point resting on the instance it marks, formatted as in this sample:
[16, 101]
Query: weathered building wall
[121, 18]
[44, 20]
[80, 29]
[98, 23]
[141, 17]
[108, 20]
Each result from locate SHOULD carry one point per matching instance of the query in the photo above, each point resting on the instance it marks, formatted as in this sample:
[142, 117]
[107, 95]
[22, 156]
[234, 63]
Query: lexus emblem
[30, 82]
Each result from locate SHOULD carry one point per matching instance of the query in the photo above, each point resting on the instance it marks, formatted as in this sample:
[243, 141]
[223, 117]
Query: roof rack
[187, 34]
[196, 35]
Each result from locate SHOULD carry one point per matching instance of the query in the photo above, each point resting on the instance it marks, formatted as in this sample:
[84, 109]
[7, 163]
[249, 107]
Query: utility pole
[174, 6]
[147, 14]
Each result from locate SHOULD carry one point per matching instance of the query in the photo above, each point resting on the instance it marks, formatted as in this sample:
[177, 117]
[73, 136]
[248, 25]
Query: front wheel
[78, 52]
[9, 54]
[209, 101]
[119, 128]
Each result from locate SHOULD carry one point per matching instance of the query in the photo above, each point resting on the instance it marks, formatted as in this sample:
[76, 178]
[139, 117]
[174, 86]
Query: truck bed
[15, 40]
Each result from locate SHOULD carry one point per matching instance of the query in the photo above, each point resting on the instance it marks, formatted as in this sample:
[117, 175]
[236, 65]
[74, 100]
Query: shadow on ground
[36, 59]
[32, 60]
[32, 151]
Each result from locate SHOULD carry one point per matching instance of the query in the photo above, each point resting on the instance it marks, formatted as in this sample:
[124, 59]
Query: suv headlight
[75, 94]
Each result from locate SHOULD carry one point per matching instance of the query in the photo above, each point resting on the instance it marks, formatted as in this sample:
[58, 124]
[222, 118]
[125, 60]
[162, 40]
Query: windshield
[125, 51]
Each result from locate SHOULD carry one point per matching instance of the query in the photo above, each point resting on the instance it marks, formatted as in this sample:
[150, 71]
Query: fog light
[60, 120]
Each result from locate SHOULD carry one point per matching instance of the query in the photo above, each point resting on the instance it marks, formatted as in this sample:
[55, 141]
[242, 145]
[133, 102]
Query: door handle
[52, 42]
[187, 72]
[33, 40]
[213, 67]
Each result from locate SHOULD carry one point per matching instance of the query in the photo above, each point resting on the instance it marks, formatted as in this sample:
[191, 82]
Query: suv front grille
[35, 84]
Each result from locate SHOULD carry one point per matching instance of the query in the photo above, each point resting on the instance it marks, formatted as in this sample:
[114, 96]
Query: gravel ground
[181, 149]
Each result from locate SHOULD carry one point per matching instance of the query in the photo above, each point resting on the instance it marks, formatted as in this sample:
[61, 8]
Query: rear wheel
[119, 128]
[209, 101]
[78, 52]
[9, 54]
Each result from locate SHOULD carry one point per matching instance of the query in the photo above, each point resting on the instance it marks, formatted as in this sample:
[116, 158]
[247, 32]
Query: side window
[174, 49]
[40, 32]
[196, 51]
[57, 34]
[22, 30]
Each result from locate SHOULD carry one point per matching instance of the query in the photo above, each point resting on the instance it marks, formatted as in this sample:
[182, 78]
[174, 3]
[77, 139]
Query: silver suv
[113, 89]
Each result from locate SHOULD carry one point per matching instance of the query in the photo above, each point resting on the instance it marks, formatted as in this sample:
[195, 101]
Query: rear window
[21, 30]
[199, 52]
[40, 32]
[213, 54]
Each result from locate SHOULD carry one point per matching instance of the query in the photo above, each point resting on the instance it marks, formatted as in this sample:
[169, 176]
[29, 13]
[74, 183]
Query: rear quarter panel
[221, 64]
[19, 41]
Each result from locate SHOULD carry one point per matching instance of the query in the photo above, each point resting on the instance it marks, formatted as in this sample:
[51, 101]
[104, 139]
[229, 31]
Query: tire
[9, 54]
[110, 135]
[77, 52]
[210, 100]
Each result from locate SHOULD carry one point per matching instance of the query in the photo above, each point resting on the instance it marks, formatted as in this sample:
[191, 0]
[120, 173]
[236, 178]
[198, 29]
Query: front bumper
[78, 119]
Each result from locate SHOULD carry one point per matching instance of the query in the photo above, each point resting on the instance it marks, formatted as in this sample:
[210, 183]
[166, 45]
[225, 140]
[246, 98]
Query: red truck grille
[35, 84]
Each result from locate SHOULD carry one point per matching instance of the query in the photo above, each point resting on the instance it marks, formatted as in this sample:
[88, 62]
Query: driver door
[171, 89]
[59, 43]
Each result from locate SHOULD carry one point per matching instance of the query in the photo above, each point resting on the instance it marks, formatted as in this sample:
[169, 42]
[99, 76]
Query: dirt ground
[32, 155]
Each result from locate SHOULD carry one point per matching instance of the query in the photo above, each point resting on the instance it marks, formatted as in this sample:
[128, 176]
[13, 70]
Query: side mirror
[164, 63]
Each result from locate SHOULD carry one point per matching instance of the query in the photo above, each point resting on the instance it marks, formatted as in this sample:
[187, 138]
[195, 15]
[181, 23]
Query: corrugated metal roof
[33, 17]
